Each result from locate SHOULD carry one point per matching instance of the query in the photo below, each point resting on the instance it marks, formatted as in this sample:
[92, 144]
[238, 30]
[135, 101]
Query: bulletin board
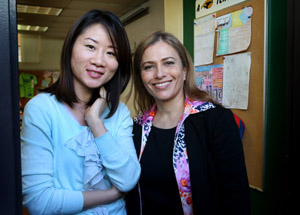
[253, 140]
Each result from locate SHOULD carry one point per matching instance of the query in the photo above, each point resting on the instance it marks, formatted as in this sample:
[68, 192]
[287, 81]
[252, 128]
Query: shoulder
[42, 105]
[214, 113]
[41, 109]
[122, 111]
[122, 107]
[42, 99]
[216, 124]
[122, 115]
[217, 117]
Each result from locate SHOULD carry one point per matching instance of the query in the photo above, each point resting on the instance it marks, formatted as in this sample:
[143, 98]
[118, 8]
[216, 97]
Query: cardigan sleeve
[118, 153]
[39, 194]
[228, 156]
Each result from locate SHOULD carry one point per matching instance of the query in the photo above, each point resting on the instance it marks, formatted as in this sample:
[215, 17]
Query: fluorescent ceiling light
[38, 10]
[134, 12]
[31, 28]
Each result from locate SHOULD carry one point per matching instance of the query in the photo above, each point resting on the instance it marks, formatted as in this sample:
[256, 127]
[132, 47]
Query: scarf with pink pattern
[180, 156]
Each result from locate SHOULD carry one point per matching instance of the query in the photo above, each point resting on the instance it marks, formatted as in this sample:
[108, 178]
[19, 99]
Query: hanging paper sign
[233, 31]
[205, 7]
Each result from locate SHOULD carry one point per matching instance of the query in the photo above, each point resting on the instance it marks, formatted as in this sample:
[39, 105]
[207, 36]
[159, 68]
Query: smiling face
[93, 60]
[162, 72]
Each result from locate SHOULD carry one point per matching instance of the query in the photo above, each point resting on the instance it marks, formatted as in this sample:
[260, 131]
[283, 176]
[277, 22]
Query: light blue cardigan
[52, 174]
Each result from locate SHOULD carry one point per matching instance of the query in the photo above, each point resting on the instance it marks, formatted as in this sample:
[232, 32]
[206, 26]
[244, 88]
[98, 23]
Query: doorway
[10, 185]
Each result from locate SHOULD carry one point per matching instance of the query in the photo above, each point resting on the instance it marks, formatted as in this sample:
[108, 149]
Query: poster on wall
[204, 37]
[234, 31]
[210, 79]
[236, 75]
[205, 7]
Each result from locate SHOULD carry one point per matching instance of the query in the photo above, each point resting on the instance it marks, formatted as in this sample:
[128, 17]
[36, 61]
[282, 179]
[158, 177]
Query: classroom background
[260, 35]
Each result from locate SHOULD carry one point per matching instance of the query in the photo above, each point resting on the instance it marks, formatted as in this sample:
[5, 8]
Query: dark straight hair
[63, 89]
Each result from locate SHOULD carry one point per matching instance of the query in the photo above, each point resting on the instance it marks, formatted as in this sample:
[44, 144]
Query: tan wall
[141, 28]
[49, 53]
[147, 24]
[173, 14]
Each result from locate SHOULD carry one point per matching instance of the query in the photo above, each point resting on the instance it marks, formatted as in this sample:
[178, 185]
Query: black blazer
[217, 167]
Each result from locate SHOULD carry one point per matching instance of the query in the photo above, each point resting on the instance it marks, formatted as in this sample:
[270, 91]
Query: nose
[160, 72]
[98, 59]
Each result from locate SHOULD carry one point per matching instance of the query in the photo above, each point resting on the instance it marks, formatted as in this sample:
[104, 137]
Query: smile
[162, 84]
[95, 74]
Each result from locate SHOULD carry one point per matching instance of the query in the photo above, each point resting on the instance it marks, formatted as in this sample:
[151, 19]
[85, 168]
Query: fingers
[93, 117]
[93, 114]
[102, 93]
[98, 107]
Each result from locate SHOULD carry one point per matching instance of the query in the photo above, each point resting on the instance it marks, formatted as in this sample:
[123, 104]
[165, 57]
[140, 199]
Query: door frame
[10, 159]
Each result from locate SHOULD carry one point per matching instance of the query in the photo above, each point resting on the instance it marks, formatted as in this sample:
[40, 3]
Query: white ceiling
[58, 26]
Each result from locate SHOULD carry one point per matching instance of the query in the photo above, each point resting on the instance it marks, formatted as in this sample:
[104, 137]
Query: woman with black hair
[78, 155]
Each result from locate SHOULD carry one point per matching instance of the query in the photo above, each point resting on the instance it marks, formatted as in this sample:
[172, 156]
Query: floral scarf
[180, 157]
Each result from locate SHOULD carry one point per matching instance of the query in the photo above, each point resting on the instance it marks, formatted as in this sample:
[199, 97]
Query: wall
[49, 56]
[174, 18]
[138, 30]
[147, 24]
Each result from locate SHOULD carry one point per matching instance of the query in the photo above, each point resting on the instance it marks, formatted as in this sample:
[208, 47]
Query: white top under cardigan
[53, 171]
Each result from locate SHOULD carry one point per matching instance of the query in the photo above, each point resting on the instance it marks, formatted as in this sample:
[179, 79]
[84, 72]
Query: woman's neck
[83, 98]
[168, 113]
[83, 94]
[78, 110]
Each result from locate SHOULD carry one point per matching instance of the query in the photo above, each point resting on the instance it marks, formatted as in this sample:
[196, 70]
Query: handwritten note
[236, 81]
[204, 37]
[234, 32]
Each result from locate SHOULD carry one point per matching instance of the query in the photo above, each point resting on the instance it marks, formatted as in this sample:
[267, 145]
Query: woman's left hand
[92, 115]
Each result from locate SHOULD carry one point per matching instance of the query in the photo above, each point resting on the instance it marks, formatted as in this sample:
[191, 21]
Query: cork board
[253, 116]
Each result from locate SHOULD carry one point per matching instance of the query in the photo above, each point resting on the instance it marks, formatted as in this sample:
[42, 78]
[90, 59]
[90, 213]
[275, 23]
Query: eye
[147, 67]
[169, 63]
[90, 47]
[111, 53]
